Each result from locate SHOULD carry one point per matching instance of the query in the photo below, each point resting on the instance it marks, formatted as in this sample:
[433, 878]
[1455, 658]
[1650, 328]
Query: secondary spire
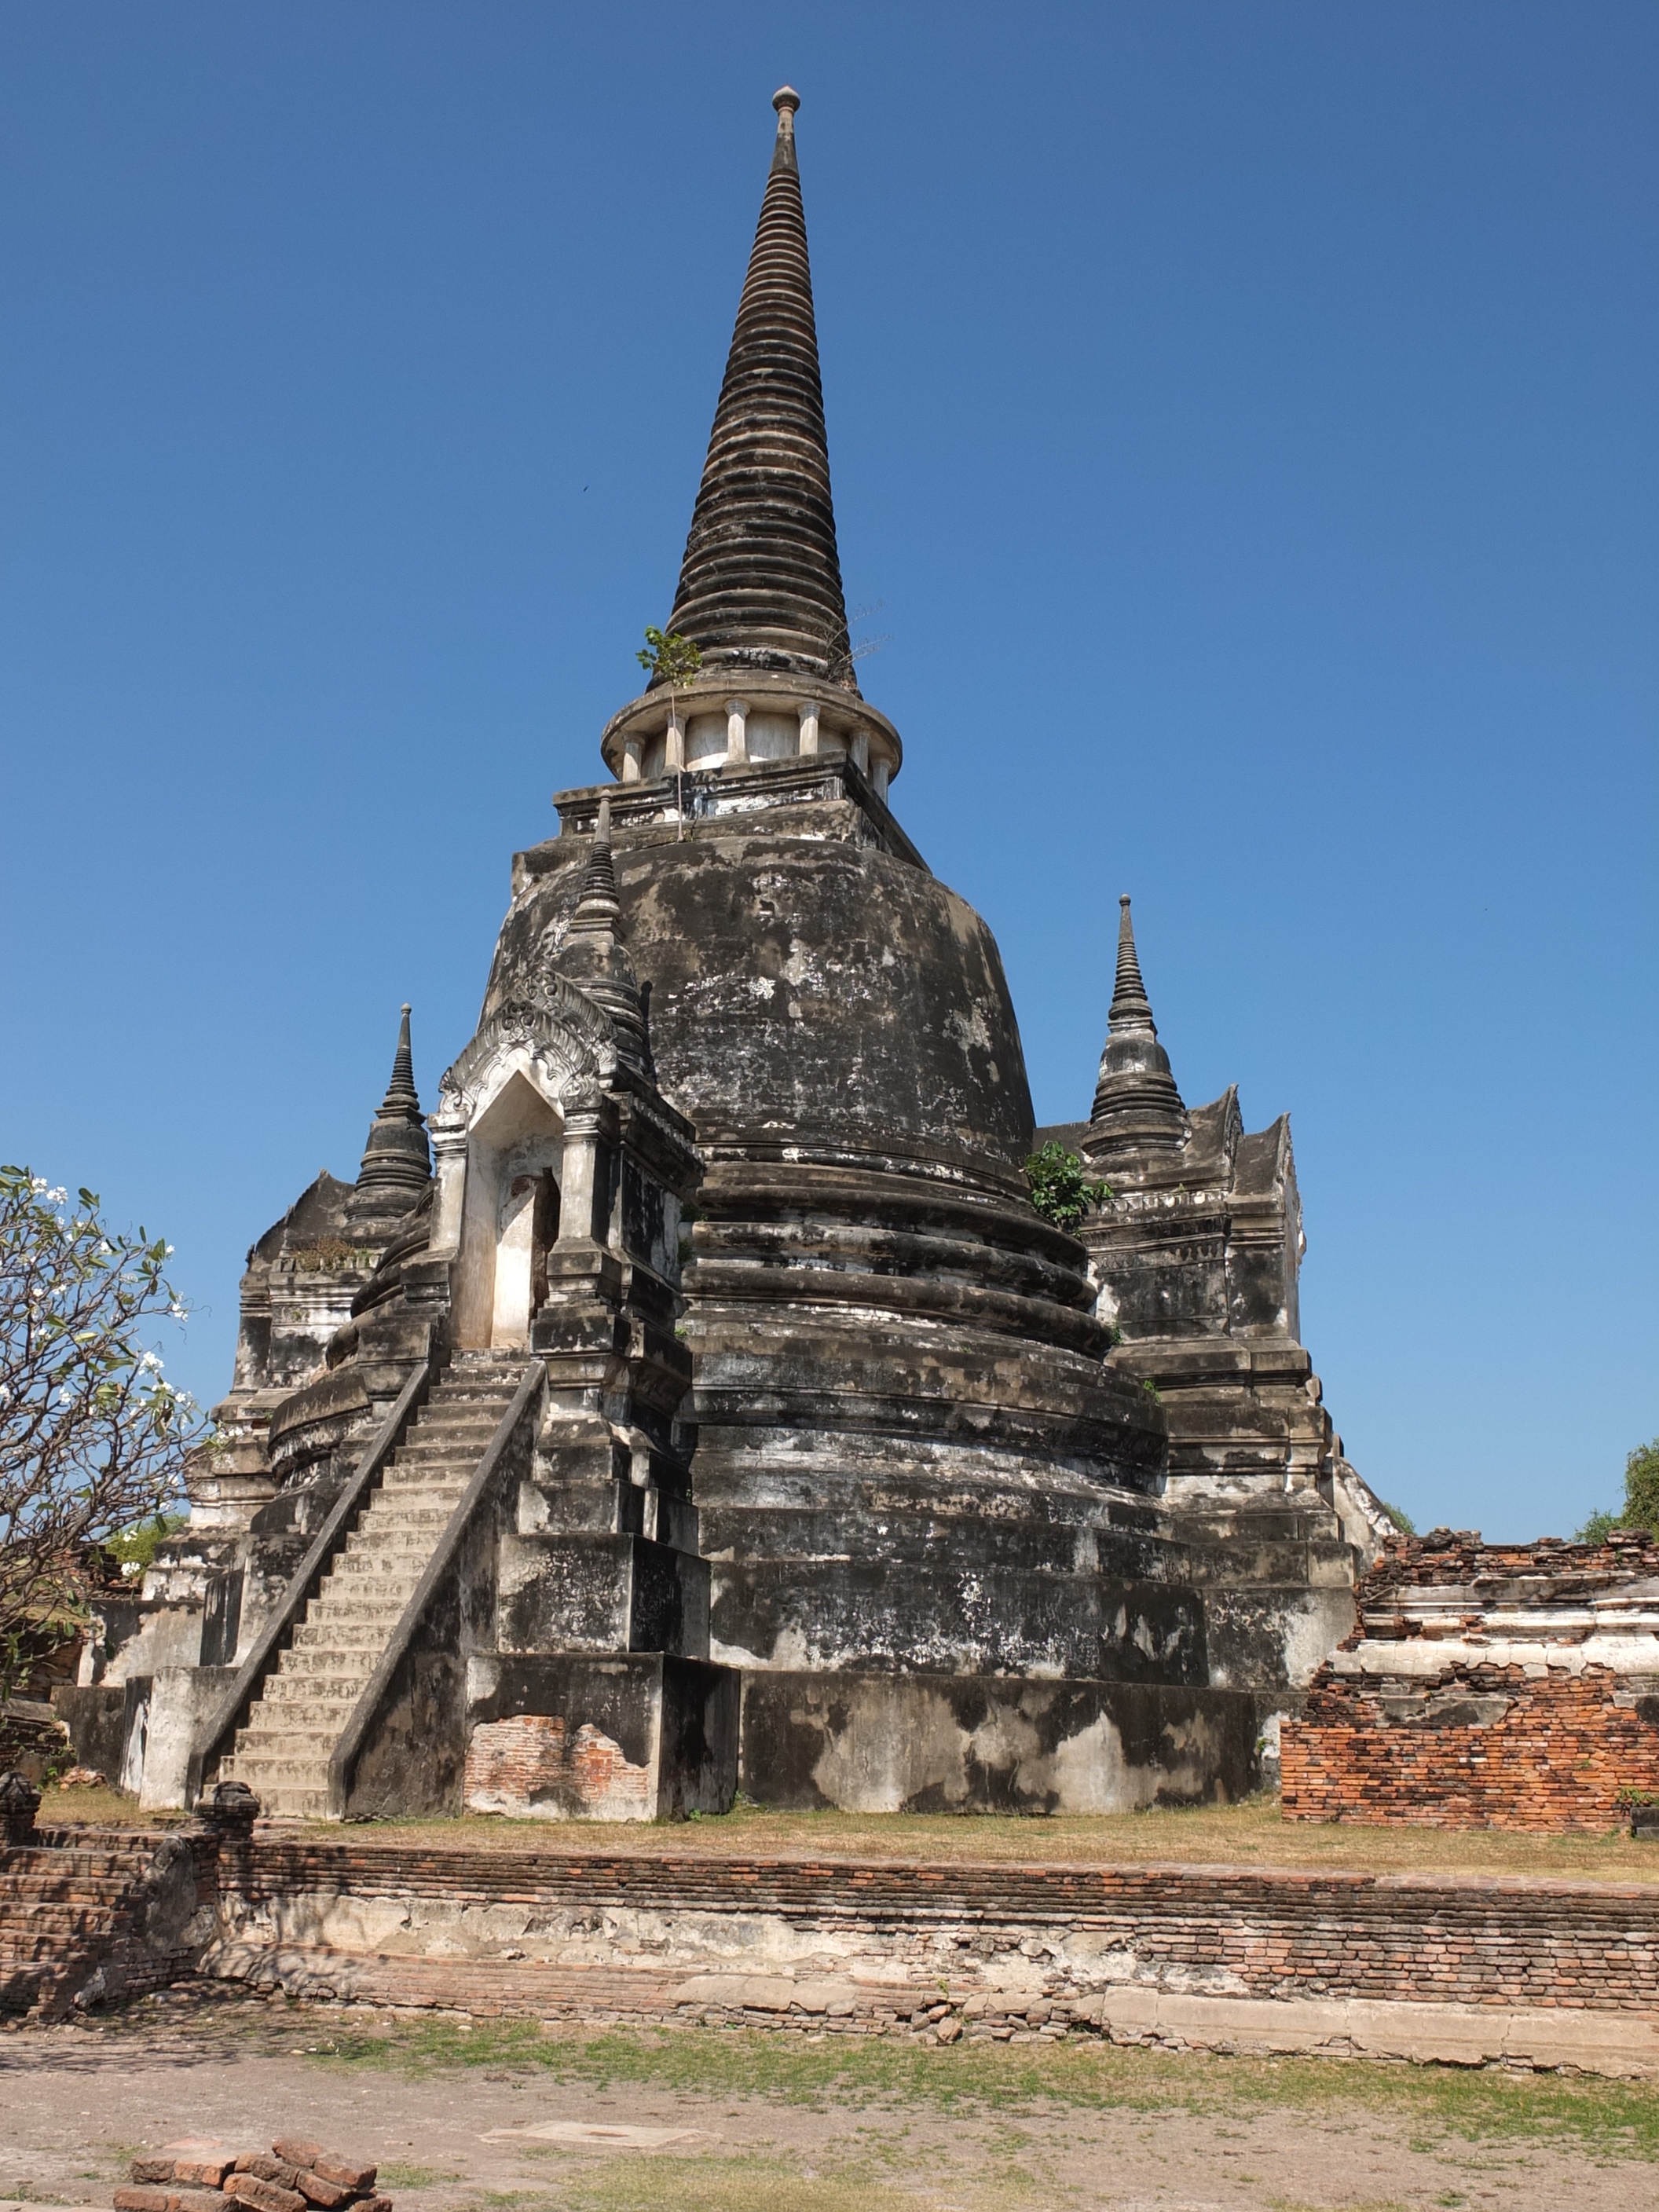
[396, 1162]
[593, 956]
[1137, 1105]
[760, 585]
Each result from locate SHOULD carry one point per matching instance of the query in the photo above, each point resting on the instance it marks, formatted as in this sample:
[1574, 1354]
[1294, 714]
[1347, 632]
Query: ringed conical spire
[760, 585]
[593, 956]
[1137, 1105]
[396, 1162]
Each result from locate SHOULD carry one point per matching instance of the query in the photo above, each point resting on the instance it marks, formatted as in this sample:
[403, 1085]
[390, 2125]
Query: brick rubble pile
[202, 2174]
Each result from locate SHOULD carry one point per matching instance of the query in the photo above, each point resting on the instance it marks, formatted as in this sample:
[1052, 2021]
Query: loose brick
[298, 2150]
[347, 2171]
[203, 2170]
[327, 2195]
[268, 2168]
[264, 2196]
[161, 2199]
[159, 2168]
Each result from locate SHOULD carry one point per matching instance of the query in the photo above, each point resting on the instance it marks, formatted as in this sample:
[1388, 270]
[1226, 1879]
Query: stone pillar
[880, 776]
[578, 1178]
[630, 765]
[449, 1165]
[858, 750]
[673, 756]
[808, 725]
[737, 730]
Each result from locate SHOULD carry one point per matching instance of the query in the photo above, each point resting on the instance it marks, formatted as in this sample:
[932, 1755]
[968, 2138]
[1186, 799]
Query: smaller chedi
[1198, 1250]
[709, 1407]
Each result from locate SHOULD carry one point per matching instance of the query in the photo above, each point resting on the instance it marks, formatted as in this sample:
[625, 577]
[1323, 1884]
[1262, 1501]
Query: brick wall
[525, 1766]
[1486, 1686]
[91, 1915]
[1059, 1933]
[1556, 1757]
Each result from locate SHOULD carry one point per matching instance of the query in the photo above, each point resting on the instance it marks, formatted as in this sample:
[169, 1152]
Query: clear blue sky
[1244, 414]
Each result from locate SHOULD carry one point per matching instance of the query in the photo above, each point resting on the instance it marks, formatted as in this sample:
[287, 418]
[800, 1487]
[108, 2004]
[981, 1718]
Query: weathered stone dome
[817, 988]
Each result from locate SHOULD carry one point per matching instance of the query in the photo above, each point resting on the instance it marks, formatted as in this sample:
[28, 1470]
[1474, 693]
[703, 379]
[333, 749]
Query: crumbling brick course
[1486, 1686]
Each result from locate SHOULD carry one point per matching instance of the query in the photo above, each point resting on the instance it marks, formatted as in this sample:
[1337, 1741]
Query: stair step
[341, 1635]
[283, 1749]
[309, 1710]
[392, 1532]
[283, 1737]
[274, 1768]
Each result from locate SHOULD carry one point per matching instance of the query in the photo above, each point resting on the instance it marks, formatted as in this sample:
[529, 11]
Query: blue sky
[1245, 414]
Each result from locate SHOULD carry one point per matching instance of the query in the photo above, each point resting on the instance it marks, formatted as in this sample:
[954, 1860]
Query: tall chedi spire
[1137, 1106]
[760, 585]
[397, 1162]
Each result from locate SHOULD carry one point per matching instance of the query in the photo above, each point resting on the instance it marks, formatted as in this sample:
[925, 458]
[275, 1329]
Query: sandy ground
[77, 2103]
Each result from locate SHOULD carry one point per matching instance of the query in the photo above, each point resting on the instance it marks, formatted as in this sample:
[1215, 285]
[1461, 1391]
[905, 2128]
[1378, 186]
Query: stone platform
[1462, 1969]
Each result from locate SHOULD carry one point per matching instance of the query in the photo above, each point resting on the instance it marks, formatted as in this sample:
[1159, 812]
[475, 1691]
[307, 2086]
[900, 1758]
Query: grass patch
[1250, 1834]
[1609, 2120]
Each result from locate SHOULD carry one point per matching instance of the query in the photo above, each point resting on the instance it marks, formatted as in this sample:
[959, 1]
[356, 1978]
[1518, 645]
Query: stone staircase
[283, 1750]
[89, 1915]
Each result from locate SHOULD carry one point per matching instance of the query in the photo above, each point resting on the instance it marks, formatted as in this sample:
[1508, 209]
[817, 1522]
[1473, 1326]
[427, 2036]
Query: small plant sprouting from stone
[1400, 1518]
[670, 658]
[1060, 1191]
[1152, 1389]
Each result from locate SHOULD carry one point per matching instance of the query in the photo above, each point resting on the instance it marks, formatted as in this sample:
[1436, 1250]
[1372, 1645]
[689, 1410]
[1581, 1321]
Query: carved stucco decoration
[568, 1040]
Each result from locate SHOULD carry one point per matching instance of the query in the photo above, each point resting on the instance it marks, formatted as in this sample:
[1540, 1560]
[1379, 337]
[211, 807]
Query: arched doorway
[510, 1217]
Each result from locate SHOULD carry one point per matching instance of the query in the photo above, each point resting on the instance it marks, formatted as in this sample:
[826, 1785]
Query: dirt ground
[1250, 1834]
[737, 2122]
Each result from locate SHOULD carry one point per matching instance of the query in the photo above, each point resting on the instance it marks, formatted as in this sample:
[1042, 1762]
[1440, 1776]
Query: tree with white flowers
[93, 1438]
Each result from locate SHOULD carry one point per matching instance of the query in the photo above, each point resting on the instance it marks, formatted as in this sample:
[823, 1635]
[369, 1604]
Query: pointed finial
[598, 904]
[1137, 1107]
[786, 99]
[1131, 1007]
[396, 1159]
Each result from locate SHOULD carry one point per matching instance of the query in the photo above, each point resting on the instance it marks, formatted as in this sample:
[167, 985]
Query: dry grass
[1251, 1834]
[97, 1809]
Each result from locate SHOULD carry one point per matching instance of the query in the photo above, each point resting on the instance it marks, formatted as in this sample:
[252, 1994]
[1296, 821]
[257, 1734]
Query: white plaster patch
[970, 1029]
[593, 2135]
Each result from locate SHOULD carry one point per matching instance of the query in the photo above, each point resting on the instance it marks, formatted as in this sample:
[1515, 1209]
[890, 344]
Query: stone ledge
[1622, 2045]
